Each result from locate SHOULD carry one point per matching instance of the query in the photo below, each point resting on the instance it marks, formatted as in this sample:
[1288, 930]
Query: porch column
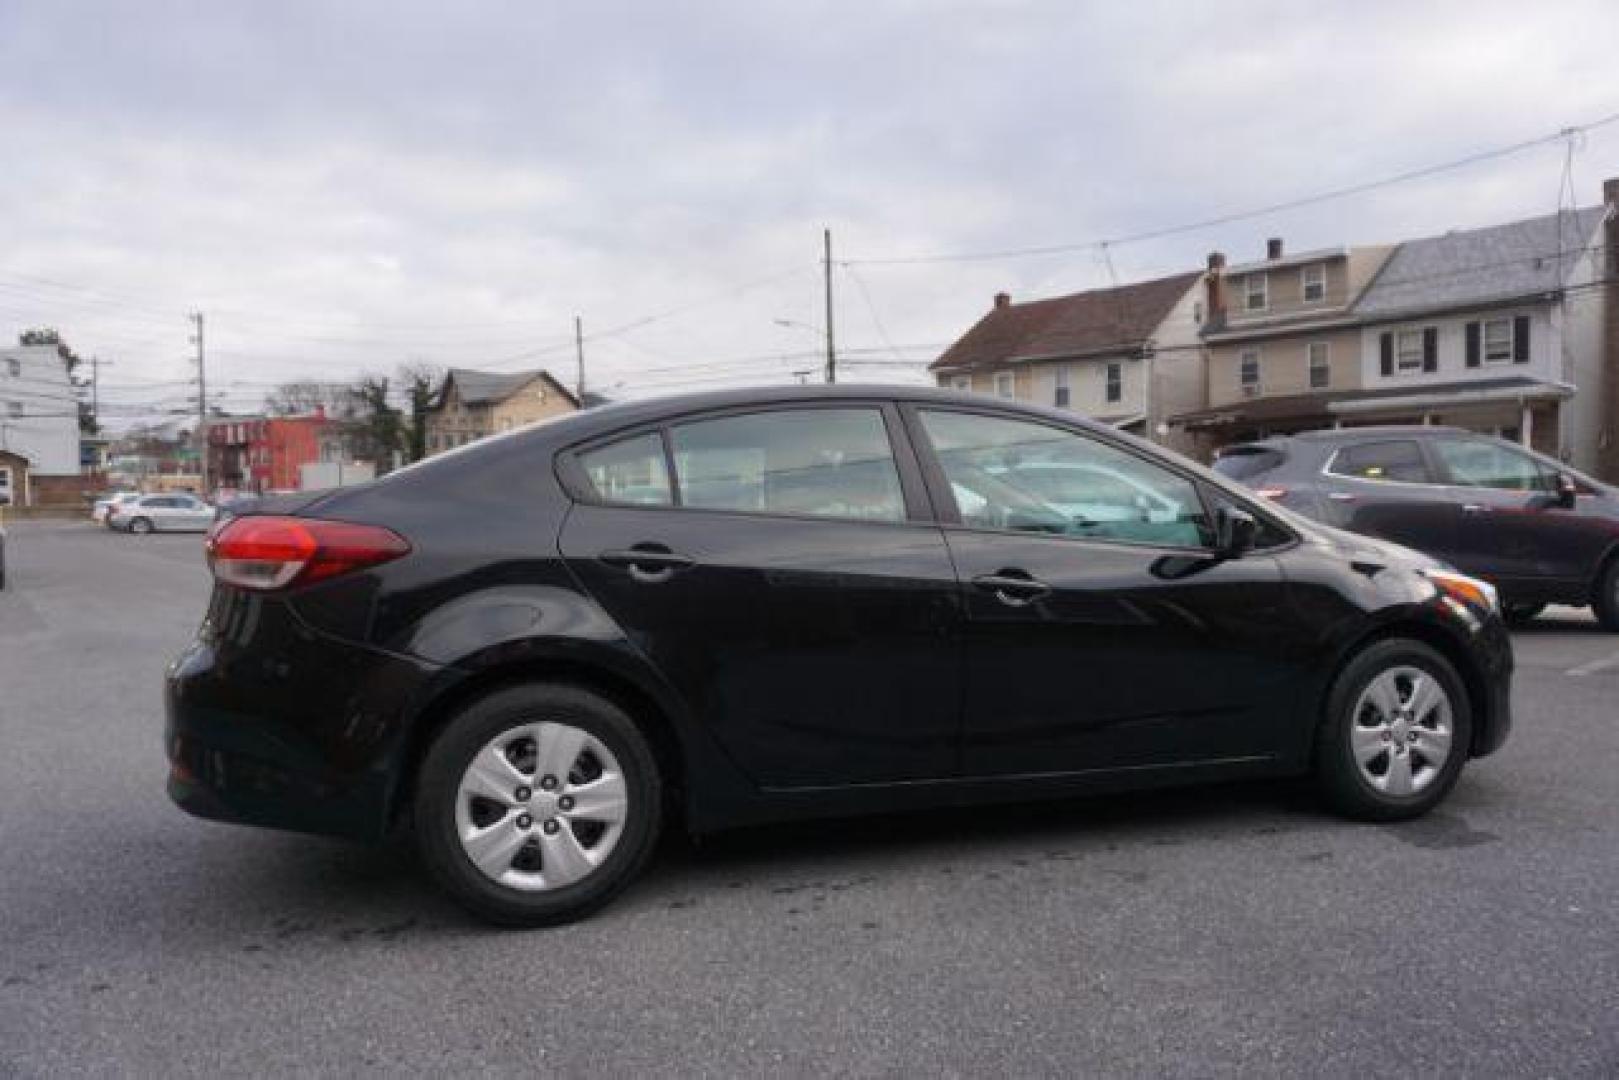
[1526, 426]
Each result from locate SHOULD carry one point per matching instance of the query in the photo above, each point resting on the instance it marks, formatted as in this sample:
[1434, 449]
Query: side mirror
[1234, 532]
[1567, 492]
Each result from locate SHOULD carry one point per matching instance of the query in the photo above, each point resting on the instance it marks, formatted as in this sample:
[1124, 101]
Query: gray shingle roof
[488, 387]
[1501, 262]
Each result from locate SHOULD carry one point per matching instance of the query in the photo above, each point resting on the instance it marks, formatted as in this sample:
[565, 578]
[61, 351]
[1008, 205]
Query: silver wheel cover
[541, 806]
[1401, 731]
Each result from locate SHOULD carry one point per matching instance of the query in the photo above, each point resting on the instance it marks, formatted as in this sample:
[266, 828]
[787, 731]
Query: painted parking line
[1595, 666]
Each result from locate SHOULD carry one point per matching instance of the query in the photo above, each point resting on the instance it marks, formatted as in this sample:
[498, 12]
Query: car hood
[1355, 546]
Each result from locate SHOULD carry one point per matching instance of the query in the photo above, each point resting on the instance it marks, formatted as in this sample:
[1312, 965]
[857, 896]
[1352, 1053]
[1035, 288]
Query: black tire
[1520, 614]
[1605, 598]
[1338, 775]
[140, 526]
[469, 732]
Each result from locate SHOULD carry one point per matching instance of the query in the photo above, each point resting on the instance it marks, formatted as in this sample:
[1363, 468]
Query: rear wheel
[1605, 602]
[1396, 732]
[141, 526]
[537, 805]
[1517, 614]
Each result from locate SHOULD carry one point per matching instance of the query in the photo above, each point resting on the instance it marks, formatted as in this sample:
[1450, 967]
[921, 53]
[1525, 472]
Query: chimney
[1214, 282]
[1273, 248]
[1002, 300]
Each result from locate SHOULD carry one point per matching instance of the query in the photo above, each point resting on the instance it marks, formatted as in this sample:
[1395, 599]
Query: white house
[1129, 356]
[1497, 329]
[39, 424]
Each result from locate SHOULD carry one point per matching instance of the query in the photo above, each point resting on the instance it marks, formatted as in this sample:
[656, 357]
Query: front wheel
[1605, 601]
[140, 526]
[1396, 732]
[537, 805]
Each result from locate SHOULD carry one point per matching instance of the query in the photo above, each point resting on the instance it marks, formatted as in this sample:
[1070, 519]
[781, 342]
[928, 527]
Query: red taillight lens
[265, 553]
[1271, 492]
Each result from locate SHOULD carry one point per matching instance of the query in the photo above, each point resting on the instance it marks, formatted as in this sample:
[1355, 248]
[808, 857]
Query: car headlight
[1464, 589]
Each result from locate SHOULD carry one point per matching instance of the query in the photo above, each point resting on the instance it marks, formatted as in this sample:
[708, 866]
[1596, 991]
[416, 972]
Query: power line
[1245, 215]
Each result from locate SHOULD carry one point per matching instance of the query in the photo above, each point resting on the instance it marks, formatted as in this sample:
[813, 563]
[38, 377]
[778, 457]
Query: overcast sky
[344, 186]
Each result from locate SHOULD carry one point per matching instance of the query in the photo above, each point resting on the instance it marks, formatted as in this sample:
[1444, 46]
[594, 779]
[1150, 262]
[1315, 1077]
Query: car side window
[1399, 460]
[1476, 463]
[629, 472]
[1030, 477]
[834, 463]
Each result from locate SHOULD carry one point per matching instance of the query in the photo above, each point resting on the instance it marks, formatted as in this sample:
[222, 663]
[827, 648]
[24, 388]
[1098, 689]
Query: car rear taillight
[266, 553]
[1271, 491]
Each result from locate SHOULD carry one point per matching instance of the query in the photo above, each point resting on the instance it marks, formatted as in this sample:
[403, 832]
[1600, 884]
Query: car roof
[624, 414]
[1355, 434]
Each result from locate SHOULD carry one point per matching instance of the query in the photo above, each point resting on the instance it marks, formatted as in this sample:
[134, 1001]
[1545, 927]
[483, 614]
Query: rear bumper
[270, 723]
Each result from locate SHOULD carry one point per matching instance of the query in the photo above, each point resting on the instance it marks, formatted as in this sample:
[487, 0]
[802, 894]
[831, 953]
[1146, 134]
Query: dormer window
[1315, 283]
[1258, 292]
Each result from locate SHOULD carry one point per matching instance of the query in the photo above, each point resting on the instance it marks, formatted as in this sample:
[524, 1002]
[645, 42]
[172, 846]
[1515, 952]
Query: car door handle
[1475, 508]
[1014, 588]
[650, 563]
[1340, 496]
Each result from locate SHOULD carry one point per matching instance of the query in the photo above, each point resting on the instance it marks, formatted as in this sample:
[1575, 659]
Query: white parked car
[162, 513]
[102, 509]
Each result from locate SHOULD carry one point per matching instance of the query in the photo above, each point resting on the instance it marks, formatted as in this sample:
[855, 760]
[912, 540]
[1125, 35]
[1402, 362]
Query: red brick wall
[294, 442]
[58, 490]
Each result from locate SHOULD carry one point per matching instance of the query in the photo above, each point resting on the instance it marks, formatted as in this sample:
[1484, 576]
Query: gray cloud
[346, 186]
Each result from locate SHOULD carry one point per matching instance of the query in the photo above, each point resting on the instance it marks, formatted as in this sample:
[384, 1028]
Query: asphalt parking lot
[1234, 930]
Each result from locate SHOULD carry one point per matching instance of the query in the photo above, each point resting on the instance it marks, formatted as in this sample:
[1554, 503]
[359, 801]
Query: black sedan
[536, 650]
[1535, 528]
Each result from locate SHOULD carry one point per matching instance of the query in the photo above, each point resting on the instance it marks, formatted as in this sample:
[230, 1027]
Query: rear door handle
[1014, 588]
[1340, 496]
[650, 563]
[1475, 508]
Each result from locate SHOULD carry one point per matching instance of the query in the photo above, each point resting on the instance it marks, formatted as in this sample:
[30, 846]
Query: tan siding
[1284, 367]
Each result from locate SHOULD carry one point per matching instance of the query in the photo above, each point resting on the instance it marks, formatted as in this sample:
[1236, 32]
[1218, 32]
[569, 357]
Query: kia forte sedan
[538, 650]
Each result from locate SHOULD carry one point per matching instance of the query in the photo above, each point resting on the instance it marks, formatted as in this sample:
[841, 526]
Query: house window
[1258, 286]
[1115, 382]
[1497, 340]
[962, 382]
[1315, 283]
[14, 368]
[1320, 365]
[14, 409]
[1003, 385]
[1408, 351]
[1060, 397]
[1248, 371]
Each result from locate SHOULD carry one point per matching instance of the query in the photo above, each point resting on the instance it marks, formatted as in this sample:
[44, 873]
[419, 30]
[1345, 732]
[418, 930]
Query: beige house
[1282, 338]
[1129, 356]
[476, 404]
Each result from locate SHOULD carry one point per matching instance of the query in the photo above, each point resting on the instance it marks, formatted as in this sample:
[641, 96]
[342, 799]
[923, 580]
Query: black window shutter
[1430, 348]
[1472, 344]
[1386, 343]
[1520, 340]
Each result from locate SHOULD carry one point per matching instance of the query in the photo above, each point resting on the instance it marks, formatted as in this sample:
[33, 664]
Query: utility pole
[95, 384]
[202, 402]
[831, 349]
[579, 347]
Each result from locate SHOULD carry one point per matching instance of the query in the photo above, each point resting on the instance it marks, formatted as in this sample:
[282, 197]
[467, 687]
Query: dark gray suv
[1539, 531]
